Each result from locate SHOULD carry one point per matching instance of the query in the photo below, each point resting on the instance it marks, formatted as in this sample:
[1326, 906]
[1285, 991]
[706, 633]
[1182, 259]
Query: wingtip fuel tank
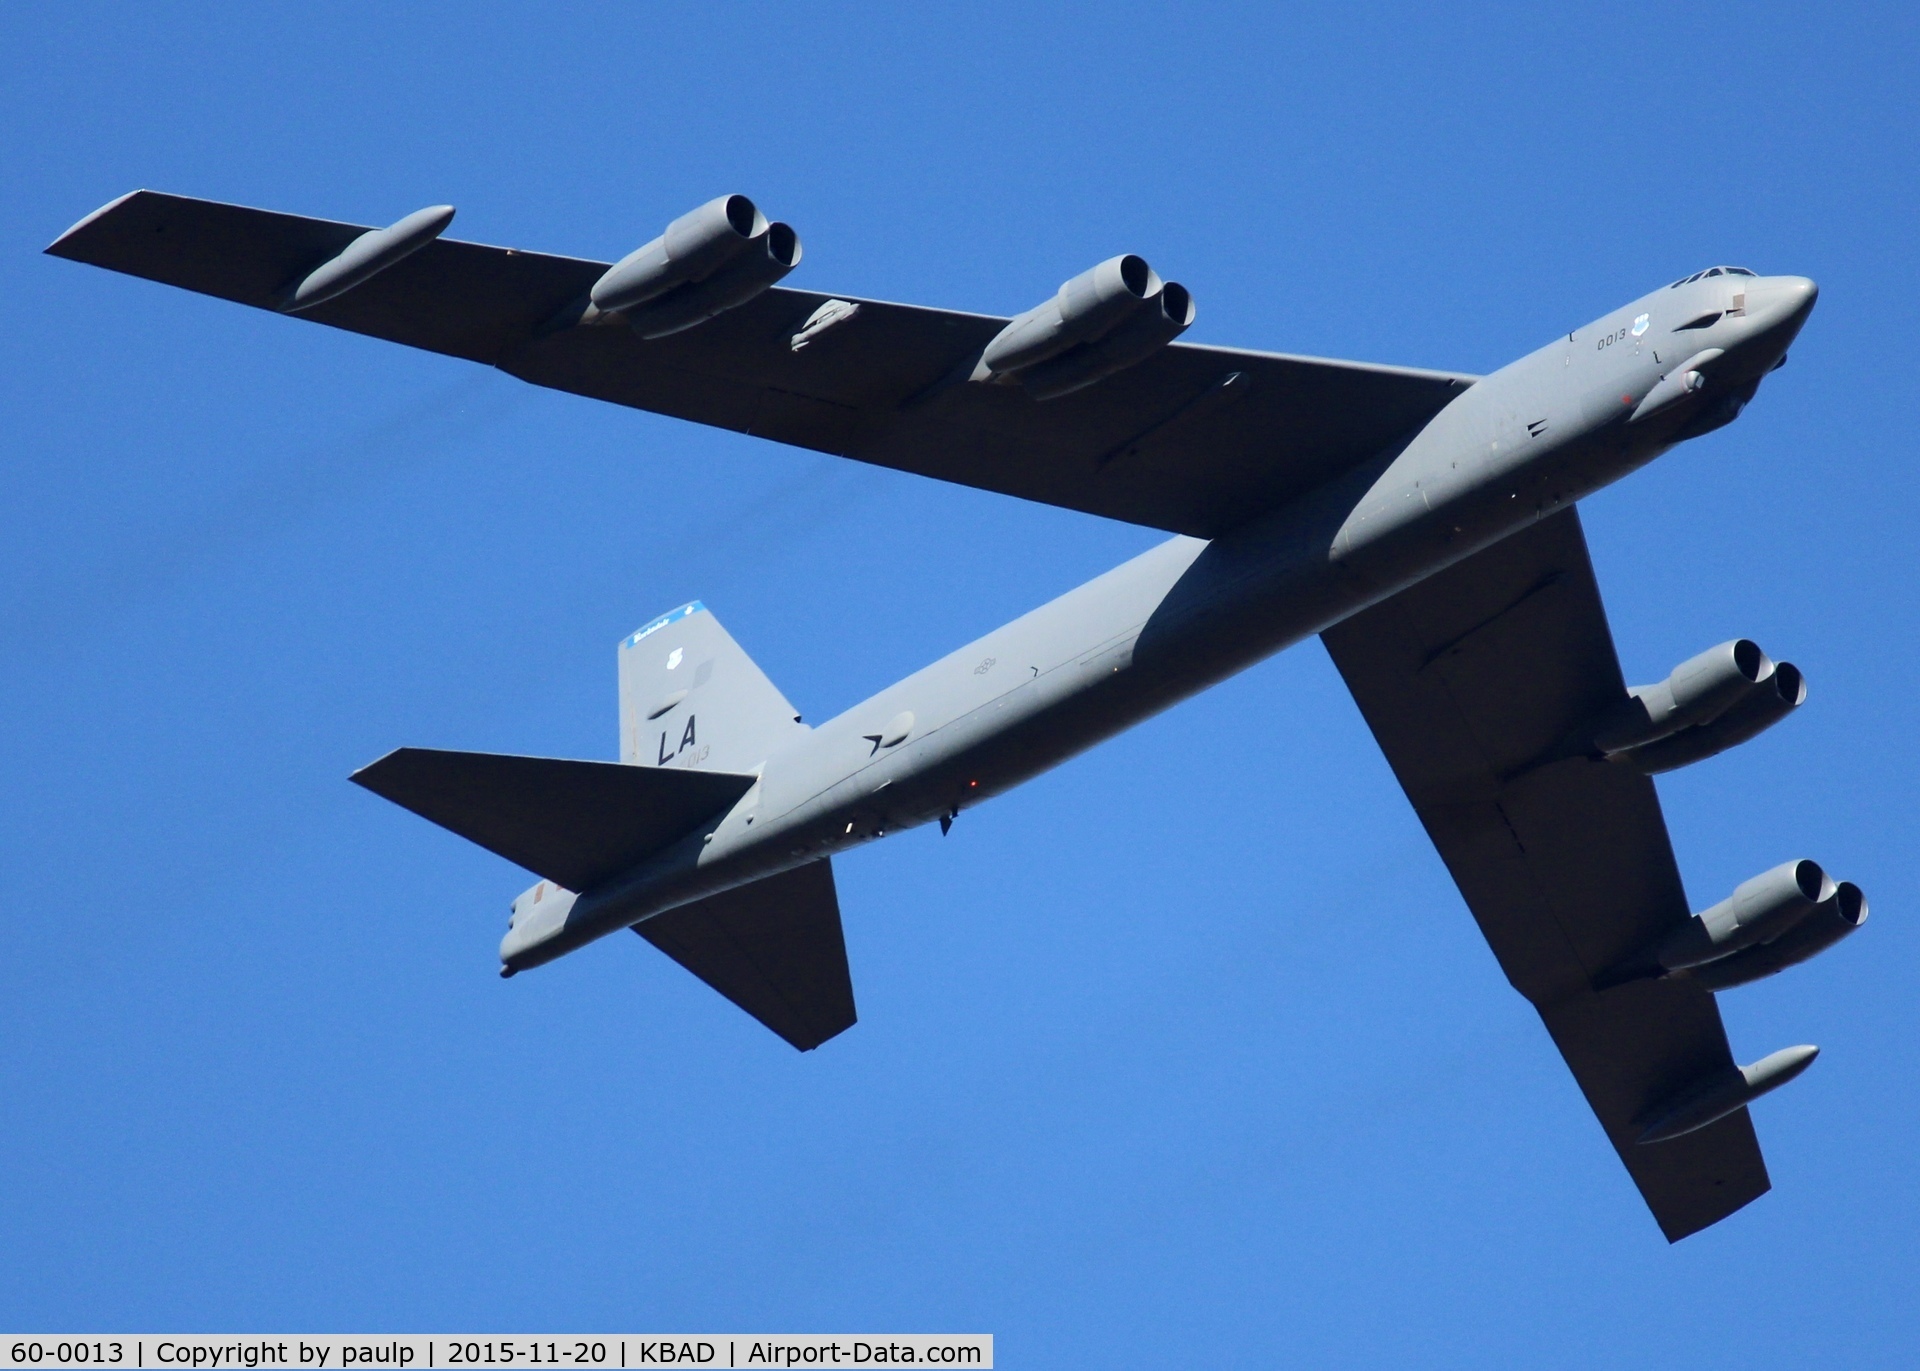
[366, 257]
[1708, 1101]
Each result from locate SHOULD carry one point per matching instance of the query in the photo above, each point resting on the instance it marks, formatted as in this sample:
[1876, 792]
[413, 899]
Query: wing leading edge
[1468, 680]
[1193, 440]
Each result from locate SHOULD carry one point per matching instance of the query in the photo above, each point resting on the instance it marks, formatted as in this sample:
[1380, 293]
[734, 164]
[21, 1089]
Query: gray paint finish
[1421, 521]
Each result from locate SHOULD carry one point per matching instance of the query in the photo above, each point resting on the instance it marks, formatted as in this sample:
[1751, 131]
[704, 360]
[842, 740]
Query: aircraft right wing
[1469, 680]
[1193, 439]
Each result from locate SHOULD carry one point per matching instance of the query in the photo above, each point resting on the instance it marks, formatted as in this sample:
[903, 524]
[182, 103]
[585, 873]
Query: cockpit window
[1710, 271]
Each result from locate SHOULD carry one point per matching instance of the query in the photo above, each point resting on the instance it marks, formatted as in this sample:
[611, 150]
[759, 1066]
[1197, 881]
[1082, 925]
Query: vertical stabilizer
[689, 697]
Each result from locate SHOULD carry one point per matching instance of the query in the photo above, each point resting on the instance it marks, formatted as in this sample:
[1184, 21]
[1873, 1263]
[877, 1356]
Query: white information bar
[482, 1351]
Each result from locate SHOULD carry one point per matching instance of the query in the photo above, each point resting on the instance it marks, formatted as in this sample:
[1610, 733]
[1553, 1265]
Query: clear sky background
[1186, 1053]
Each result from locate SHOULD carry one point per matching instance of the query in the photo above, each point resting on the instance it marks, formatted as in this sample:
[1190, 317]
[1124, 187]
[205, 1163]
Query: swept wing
[1193, 440]
[1471, 680]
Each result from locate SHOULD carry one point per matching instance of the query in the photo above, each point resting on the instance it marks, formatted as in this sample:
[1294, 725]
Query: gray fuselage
[1519, 444]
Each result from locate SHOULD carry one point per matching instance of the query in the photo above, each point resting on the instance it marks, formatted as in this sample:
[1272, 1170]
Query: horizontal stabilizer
[576, 823]
[773, 947]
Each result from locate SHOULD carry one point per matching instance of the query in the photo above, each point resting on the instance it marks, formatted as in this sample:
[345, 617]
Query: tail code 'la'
[690, 697]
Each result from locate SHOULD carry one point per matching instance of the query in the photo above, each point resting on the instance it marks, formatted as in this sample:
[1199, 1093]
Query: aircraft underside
[1421, 522]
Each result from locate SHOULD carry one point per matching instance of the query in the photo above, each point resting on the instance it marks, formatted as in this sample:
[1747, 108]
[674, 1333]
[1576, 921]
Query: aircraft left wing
[1193, 439]
[1470, 680]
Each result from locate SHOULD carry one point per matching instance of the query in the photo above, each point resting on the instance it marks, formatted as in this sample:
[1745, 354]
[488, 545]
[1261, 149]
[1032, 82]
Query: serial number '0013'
[67, 1353]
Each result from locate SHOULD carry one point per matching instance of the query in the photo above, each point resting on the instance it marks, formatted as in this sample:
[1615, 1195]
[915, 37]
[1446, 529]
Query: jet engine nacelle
[1758, 911]
[1709, 703]
[707, 262]
[1756, 712]
[1778, 919]
[1697, 691]
[1833, 920]
[1102, 321]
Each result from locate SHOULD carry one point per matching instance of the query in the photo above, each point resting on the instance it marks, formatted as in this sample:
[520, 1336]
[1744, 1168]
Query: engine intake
[1697, 691]
[708, 261]
[1709, 703]
[1778, 919]
[1104, 320]
[1835, 919]
[1758, 711]
[1758, 911]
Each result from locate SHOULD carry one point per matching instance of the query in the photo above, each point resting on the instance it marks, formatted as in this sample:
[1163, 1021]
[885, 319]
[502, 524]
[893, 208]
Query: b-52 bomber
[1423, 523]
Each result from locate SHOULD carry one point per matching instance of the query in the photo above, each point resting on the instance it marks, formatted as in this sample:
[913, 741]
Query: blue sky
[1187, 1053]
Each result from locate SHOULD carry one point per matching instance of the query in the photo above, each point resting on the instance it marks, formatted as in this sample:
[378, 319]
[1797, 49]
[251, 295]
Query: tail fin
[689, 697]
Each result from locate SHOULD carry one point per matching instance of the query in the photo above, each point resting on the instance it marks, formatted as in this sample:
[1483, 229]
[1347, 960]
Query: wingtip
[363, 777]
[54, 247]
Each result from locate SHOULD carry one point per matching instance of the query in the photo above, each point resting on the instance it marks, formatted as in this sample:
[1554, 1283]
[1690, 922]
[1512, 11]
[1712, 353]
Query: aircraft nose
[1776, 300]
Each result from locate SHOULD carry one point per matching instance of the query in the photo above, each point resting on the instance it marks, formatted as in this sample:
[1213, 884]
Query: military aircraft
[1421, 522]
